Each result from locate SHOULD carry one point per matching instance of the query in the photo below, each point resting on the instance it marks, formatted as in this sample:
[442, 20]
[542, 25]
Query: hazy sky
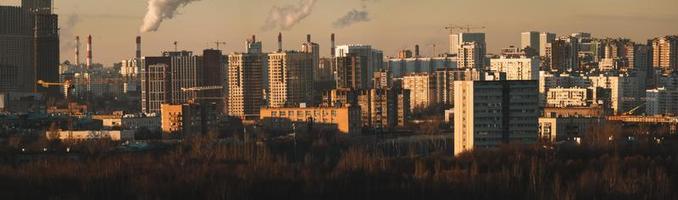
[393, 24]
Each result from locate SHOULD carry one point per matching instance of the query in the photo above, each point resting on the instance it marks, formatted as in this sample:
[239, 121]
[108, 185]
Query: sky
[389, 25]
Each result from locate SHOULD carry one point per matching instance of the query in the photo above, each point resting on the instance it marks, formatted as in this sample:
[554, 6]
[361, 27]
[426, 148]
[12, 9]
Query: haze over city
[338, 99]
[392, 25]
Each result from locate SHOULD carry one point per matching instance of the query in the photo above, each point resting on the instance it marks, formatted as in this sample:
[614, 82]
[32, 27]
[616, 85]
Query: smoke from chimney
[77, 50]
[352, 17]
[333, 50]
[89, 51]
[159, 10]
[285, 17]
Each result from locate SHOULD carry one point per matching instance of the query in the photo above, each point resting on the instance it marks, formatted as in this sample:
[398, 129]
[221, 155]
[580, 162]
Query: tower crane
[219, 43]
[66, 84]
[200, 89]
[464, 28]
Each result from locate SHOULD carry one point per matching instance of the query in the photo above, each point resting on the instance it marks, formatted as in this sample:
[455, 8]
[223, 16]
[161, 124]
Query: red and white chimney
[77, 50]
[89, 52]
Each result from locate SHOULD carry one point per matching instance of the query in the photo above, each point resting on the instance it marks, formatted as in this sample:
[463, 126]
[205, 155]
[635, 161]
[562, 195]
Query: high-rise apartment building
[290, 79]
[545, 38]
[313, 49]
[665, 53]
[375, 58]
[30, 47]
[164, 77]
[351, 71]
[401, 66]
[458, 39]
[517, 68]
[531, 40]
[490, 113]
[384, 108]
[422, 89]
[471, 55]
[246, 81]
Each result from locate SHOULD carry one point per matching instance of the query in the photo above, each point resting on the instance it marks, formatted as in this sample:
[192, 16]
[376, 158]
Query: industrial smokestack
[332, 51]
[308, 38]
[254, 38]
[280, 42]
[138, 48]
[416, 51]
[89, 51]
[77, 50]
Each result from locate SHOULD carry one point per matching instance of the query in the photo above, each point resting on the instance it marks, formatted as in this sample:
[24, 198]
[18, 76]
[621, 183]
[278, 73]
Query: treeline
[201, 168]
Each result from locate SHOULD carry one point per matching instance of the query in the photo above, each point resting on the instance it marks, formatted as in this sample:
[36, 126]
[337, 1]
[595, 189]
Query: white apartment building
[517, 68]
[568, 97]
[422, 89]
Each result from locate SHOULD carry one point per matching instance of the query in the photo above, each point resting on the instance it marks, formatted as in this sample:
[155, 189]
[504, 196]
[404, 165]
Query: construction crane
[66, 84]
[633, 110]
[219, 43]
[463, 28]
[200, 89]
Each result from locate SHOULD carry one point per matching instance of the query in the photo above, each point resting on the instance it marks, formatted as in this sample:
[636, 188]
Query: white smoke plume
[285, 17]
[159, 10]
[352, 17]
[67, 33]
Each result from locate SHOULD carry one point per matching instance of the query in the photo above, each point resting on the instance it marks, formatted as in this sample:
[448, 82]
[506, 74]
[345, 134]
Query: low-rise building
[344, 119]
[90, 135]
[569, 128]
[188, 118]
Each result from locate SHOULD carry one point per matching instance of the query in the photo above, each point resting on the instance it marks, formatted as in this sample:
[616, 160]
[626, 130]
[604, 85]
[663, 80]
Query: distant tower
[280, 42]
[138, 55]
[89, 52]
[333, 52]
[77, 51]
[416, 51]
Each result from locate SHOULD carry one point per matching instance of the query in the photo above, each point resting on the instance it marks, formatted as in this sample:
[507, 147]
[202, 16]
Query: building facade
[517, 68]
[246, 85]
[422, 88]
[490, 113]
[344, 119]
[290, 79]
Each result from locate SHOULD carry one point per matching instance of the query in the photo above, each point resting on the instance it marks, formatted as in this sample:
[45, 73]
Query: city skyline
[114, 25]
